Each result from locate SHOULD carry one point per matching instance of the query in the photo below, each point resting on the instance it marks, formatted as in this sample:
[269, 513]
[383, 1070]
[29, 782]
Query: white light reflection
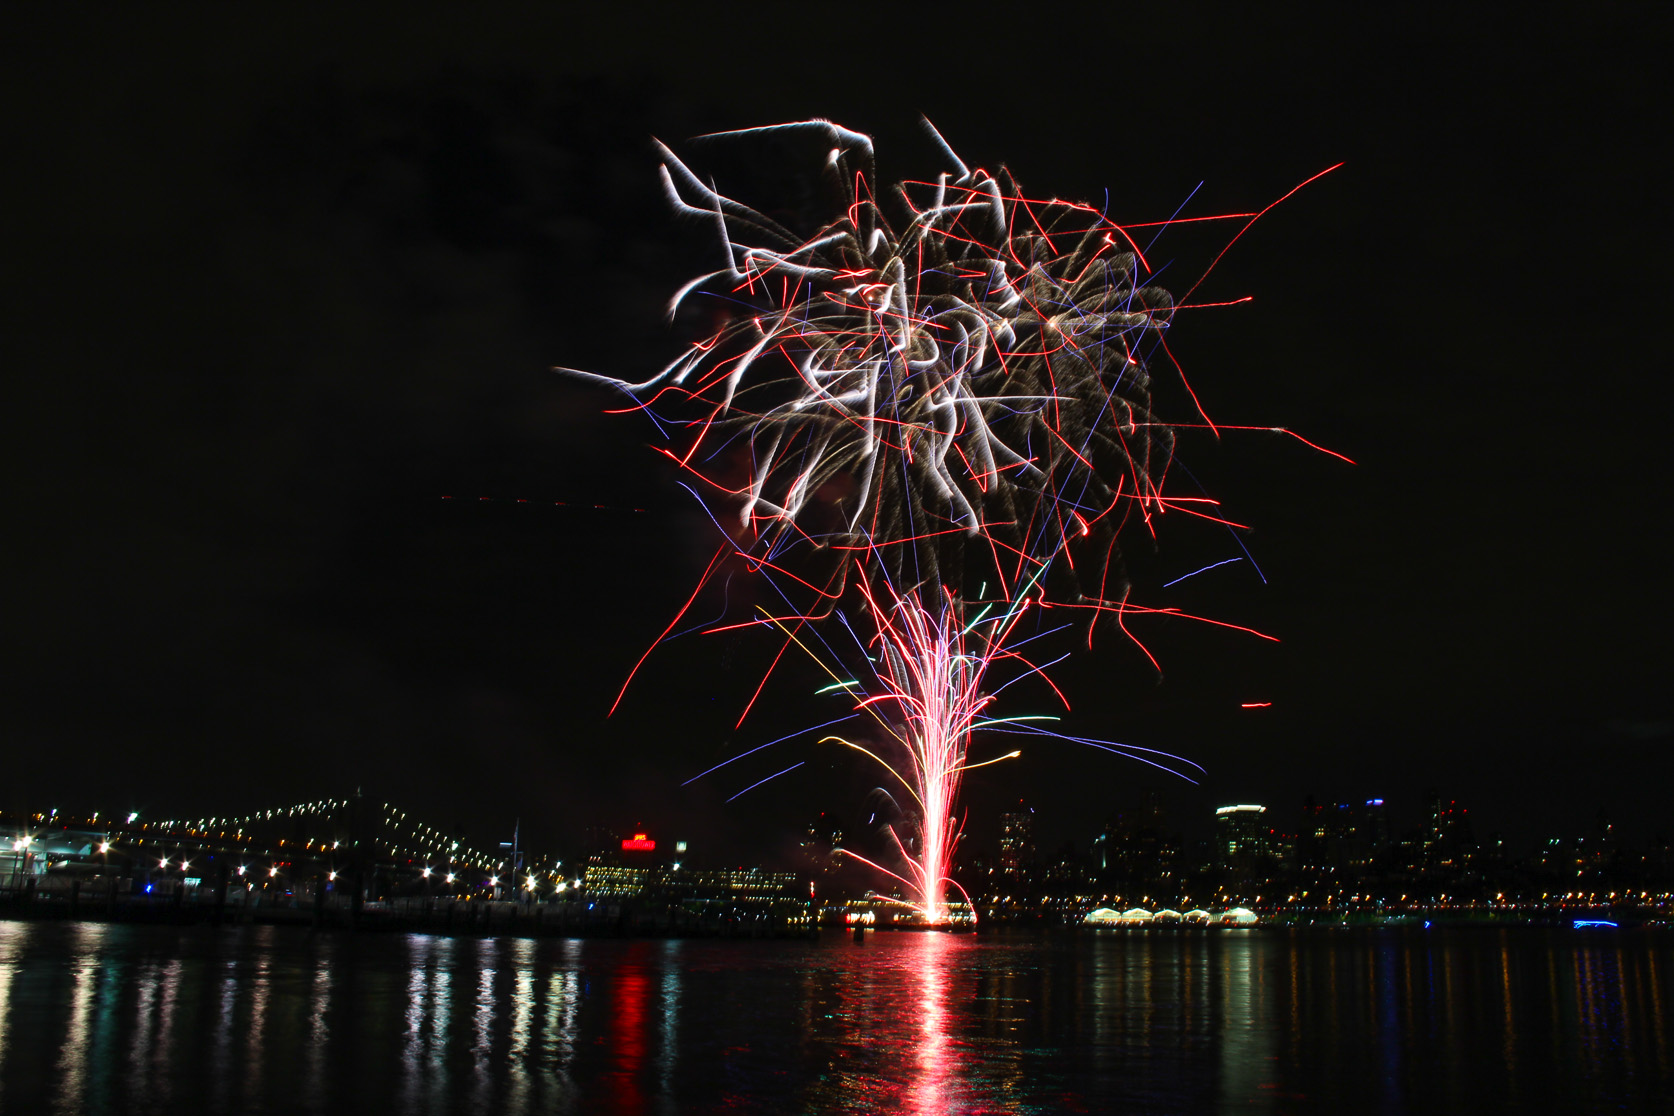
[670, 1028]
[168, 998]
[72, 1071]
[482, 1048]
[319, 1001]
[441, 1011]
[523, 1010]
[558, 1038]
[1243, 1052]
[221, 1060]
[9, 936]
[145, 995]
[255, 1052]
[412, 1057]
[429, 1001]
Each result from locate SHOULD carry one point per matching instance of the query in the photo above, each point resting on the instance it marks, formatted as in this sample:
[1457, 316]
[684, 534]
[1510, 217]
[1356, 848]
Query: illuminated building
[1017, 839]
[1448, 840]
[1244, 842]
[1372, 833]
[609, 881]
[638, 866]
[821, 849]
[615, 881]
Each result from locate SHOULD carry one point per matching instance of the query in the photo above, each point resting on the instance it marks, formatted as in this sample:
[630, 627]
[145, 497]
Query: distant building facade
[1017, 839]
[1244, 840]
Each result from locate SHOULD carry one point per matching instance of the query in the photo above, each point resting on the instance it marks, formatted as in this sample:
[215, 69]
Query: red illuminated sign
[639, 842]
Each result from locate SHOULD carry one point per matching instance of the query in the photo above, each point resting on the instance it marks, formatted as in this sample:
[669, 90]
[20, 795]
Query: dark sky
[276, 287]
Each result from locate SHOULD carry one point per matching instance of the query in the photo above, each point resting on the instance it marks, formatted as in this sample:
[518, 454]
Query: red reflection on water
[619, 1086]
[934, 1055]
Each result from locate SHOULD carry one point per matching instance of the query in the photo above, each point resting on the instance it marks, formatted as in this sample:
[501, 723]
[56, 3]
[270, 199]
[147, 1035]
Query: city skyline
[342, 860]
[1020, 833]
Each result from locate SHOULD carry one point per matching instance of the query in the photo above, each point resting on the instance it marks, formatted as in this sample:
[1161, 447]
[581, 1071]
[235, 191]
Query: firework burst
[941, 384]
[970, 375]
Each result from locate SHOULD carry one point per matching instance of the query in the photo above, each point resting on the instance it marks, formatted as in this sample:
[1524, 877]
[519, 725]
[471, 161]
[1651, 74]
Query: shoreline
[513, 920]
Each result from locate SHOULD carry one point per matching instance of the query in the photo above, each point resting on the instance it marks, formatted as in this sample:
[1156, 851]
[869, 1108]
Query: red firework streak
[951, 389]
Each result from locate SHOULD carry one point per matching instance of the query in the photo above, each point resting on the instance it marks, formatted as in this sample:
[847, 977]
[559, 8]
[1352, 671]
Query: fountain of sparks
[948, 380]
[931, 671]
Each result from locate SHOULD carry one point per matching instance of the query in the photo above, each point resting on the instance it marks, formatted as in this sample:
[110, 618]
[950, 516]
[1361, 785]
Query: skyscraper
[1448, 840]
[1017, 838]
[1244, 841]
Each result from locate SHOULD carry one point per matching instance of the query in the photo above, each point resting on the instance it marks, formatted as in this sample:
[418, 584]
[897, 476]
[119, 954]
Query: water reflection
[625, 1033]
[142, 1045]
[668, 1039]
[1388, 996]
[414, 1049]
[137, 1019]
[482, 1022]
[1242, 1021]
[72, 1068]
[558, 1036]
[319, 1036]
[221, 1060]
[523, 1013]
[10, 935]
[932, 1055]
[255, 1054]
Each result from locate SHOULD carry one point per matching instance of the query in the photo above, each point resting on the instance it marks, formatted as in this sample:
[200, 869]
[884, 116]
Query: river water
[133, 1019]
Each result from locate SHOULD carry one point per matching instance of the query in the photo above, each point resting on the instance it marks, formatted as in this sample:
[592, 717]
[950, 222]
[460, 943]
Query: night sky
[283, 296]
